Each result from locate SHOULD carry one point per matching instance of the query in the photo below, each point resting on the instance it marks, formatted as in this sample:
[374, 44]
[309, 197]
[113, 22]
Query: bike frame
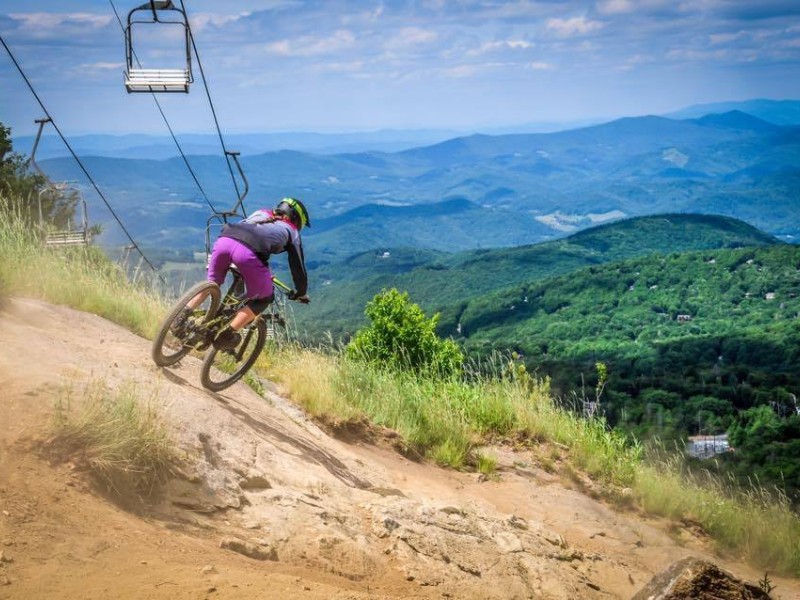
[233, 301]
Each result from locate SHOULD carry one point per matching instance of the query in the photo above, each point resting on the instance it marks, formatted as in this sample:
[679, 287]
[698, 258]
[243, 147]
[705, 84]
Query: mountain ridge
[433, 283]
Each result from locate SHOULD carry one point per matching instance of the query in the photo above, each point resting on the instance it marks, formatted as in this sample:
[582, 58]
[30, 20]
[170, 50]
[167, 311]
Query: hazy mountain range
[477, 191]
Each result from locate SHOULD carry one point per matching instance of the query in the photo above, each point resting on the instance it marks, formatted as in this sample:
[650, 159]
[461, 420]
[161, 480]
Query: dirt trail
[272, 507]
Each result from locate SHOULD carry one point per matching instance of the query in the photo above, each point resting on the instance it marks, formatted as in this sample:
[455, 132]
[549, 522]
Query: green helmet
[295, 210]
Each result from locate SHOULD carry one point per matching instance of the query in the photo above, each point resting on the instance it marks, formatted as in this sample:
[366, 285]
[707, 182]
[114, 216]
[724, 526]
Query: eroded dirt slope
[270, 506]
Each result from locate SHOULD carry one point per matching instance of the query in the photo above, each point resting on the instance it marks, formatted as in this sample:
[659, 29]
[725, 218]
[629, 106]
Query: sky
[343, 66]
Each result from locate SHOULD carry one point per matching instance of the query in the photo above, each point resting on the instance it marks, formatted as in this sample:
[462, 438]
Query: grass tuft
[116, 436]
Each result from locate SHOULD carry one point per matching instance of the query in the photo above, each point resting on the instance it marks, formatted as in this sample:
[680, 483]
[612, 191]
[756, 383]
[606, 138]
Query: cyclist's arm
[297, 267]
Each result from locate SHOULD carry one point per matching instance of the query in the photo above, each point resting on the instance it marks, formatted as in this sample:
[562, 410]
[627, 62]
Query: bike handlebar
[291, 292]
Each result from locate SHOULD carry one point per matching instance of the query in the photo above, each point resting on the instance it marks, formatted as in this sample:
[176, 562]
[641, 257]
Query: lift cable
[211, 103]
[166, 122]
[78, 160]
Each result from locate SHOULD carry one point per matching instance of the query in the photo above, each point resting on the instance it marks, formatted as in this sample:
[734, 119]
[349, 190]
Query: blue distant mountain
[478, 190]
[779, 112]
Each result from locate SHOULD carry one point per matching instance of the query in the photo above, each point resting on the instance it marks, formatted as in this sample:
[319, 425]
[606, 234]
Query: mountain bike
[184, 330]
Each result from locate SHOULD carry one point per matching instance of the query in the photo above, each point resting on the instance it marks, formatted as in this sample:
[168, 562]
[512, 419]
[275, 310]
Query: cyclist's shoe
[178, 326]
[228, 340]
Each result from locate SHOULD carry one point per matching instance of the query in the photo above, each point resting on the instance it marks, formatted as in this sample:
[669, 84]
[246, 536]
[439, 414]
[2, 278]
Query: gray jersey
[266, 235]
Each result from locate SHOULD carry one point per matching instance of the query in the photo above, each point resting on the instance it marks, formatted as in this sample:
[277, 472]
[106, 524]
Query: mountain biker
[249, 244]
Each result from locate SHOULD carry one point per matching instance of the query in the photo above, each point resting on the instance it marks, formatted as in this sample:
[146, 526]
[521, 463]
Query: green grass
[447, 420]
[755, 523]
[80, 277]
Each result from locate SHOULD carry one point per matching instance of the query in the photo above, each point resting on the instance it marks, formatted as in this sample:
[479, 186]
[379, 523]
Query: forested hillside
[698, 342]
[444, 282]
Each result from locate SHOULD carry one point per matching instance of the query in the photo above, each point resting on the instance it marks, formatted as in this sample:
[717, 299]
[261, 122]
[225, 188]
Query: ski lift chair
[73, 235]
[138, 79]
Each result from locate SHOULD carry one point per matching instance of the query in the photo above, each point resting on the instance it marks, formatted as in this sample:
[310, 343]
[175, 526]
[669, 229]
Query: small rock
[598, 534]
[695, 578]
[508, 543]
[4, 580]
[249, 550]
[255, 482]
[4, 558]
[390, 524]
[452, 510]
[208, 569]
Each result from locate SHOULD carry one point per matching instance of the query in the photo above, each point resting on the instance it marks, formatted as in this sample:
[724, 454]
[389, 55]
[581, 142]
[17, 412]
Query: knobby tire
[165, 359]
[216, 379]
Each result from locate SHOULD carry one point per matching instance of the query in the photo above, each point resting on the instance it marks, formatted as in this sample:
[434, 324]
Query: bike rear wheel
[222, 368]
[175, 339]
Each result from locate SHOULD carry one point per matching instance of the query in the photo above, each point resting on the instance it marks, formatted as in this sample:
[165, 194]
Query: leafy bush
[401, 337]
[15, 180]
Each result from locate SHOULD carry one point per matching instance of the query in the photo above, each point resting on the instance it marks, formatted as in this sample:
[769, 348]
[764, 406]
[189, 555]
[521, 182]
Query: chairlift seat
[67, 238]
[158, 80]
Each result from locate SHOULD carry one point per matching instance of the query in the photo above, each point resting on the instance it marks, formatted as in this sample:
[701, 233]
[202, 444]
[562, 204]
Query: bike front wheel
[222, 368]
[182, 328]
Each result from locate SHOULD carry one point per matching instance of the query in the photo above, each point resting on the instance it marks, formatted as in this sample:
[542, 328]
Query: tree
[400, 336]
[15, 181]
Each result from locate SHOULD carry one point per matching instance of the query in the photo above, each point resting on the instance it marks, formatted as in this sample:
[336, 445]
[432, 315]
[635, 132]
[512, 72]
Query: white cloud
[313, 46]
[103, 66]
[573, 26]
[460, 72]
[501, 45]
[202, 21]
[54, 21]
[615, 7]
[725, 38]
[686, 54]
[540, 66]
[411, 36]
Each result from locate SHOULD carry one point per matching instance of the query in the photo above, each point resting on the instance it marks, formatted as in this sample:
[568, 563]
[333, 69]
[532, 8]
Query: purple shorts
[257, 276]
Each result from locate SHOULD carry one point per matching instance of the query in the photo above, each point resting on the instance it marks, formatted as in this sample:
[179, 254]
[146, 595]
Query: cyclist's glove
[293, 295]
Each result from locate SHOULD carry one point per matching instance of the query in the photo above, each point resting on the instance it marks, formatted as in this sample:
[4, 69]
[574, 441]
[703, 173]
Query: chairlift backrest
[74, 234]
[166, 78]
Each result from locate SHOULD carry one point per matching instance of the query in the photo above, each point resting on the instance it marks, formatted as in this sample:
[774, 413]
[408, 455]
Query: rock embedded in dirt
[695, 579]
[255, 551]
[255, 482]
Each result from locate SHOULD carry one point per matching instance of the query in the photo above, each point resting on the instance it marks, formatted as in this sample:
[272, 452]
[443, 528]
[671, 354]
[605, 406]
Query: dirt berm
[270, 506]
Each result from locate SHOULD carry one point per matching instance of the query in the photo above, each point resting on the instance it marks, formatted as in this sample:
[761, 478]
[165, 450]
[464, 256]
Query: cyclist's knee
[257, 305]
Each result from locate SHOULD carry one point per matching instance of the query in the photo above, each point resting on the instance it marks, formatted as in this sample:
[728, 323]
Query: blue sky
[276, 65]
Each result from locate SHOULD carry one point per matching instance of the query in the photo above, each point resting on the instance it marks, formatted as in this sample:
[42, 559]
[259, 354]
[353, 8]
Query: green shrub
[401, 337]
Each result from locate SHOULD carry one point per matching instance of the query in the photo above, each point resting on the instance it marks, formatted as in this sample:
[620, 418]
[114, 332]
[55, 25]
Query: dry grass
[117, 436]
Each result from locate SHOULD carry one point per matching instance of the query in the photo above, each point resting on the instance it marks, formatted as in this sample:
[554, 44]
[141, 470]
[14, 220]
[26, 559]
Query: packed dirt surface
[270, 506]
